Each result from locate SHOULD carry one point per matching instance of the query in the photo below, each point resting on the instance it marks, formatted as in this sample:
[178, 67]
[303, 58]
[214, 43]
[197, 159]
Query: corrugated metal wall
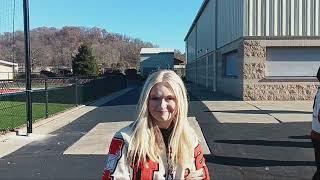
[237, 18]
[211, 72]
[202, 71]
[200, 44]
[191, 45]
[281, 18]
[230, 21]
[206, 30]
[191, 71]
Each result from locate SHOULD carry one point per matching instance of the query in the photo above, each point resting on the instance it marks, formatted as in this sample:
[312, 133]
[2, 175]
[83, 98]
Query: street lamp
[27, 64]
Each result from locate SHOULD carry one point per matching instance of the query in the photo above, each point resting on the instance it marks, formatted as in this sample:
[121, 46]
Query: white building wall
[281, 18]
[230, 21]
[5, 72]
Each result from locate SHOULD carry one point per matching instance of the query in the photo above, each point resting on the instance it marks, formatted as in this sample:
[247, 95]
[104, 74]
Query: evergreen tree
[84, 63]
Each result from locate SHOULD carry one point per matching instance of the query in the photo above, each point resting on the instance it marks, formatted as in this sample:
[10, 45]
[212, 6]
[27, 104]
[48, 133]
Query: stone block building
[256, 49]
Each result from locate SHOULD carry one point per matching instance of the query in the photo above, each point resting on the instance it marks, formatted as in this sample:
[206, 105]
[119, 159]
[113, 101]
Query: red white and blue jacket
[117, 166]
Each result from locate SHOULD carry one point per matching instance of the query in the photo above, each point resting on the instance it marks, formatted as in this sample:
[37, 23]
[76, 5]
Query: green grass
[13, 114]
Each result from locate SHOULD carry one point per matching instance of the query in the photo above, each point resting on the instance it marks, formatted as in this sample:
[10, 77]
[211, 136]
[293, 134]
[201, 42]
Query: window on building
[292, 62]
[231, 64]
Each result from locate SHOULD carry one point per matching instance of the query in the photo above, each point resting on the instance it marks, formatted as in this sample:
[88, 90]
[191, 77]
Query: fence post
[76, 91]
[47, 95]
[95, 88]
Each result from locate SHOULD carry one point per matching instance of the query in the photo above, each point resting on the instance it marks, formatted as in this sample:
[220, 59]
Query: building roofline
[203, 6]
[157, 53]
[8, 63]
[156, 50]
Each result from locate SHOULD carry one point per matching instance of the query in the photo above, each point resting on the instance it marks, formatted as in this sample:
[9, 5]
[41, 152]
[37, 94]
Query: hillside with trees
[52, 47]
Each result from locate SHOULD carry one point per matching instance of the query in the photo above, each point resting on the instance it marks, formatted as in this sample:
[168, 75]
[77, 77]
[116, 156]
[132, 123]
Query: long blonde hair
[144, 143]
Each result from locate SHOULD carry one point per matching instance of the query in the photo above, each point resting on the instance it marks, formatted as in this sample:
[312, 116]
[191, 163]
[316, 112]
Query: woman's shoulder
[124, 133]
[316, 100]
[318, 90]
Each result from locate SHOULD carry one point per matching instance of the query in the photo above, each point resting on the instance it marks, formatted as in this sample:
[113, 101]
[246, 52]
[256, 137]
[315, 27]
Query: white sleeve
[116, 165]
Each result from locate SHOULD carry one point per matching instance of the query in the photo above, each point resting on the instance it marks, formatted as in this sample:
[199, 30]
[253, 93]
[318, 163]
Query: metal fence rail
[51, 95]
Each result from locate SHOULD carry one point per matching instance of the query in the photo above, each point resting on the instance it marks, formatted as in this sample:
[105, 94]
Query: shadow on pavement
[200, 94]
[258, 111]
[300, 137]
[130, 98]
[268, 143]
[250, 162]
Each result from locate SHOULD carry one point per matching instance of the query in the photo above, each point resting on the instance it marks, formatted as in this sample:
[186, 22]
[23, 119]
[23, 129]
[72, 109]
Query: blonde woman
[159, 144]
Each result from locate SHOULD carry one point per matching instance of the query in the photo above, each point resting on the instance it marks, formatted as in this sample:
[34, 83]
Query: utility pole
[27, 65]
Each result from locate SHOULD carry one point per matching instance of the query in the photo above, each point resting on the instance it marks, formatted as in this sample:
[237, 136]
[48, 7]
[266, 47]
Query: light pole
[27, 65]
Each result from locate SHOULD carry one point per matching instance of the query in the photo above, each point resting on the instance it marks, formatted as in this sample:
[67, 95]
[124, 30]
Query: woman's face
[162, 104]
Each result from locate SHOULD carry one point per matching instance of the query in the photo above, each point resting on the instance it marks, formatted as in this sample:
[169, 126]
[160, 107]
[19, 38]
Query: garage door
[292, 62]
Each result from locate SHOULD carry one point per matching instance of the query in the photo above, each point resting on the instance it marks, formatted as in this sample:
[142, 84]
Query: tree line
[56, 47]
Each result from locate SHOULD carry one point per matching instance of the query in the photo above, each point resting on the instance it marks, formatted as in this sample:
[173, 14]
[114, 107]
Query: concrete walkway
[227, 109]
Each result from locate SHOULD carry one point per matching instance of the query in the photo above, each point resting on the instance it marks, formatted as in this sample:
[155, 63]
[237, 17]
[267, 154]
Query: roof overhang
[6, 63]
[156, 50]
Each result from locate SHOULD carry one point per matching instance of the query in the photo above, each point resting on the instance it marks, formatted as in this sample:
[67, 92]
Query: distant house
[7, 69]
[152, 59]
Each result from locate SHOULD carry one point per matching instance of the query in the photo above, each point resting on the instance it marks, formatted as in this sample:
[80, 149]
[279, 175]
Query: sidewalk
[227, 109]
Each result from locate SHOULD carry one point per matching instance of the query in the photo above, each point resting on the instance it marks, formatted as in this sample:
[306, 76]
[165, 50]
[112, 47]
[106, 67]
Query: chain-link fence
[50, 96]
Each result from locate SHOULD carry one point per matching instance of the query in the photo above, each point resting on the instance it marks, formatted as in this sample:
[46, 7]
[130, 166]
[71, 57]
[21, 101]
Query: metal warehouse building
[152, 59]
[256, 49]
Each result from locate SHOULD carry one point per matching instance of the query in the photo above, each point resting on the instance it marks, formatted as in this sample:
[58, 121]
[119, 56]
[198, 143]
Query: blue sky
[162, 22]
